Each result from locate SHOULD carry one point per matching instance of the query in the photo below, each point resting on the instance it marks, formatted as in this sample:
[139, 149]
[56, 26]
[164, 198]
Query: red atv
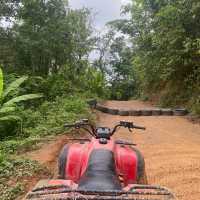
[100, 168]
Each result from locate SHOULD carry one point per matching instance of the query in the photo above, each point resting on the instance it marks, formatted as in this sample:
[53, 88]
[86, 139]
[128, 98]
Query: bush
[47, 120]
[51, 116]
[194, 105]
[19, 144]
[89, 83]
[122, 89]
[12, 171]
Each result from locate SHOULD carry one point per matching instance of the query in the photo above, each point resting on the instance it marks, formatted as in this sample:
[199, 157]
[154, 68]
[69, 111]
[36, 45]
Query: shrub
[12, 171]
[51, 116]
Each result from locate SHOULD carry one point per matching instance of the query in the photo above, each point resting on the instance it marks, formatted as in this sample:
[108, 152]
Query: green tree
[165, 38]
[102, 48]
[115, 60]
[122, 76]
[45, 36]
[42, 36]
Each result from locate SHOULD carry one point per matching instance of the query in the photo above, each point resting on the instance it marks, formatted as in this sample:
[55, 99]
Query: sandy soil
[132, 104]
[171, 147]
[49, 153]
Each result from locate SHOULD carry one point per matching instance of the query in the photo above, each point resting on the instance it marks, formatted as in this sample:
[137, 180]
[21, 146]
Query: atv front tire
[143, 179]
[141, 172]
[62, 161]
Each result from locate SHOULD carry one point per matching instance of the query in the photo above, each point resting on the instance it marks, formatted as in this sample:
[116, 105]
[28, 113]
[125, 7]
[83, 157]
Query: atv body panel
[76, 158]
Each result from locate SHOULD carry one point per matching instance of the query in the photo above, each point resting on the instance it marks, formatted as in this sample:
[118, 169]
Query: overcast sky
[106, 10]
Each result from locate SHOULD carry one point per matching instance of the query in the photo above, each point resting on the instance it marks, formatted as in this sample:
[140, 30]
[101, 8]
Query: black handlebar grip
[139, 127]
[69, 125]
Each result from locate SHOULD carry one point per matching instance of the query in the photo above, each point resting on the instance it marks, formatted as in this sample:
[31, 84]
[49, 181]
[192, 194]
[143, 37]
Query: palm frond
[10, 118]
[7, 109]
[1, 83]
[14, 85]
[22, 98]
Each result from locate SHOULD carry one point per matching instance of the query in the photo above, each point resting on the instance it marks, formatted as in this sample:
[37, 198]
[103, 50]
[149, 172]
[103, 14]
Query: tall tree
[41, 35]
[102, 48]
[115, 60]
[8, 12]
[47, 35]
[165, 36]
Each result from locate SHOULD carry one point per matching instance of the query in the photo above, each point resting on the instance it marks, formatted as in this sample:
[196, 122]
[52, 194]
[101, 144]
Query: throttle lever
[126, 124]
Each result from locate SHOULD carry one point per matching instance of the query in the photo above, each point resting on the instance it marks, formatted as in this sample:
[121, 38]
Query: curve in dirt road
[137, 108]
[170, 146]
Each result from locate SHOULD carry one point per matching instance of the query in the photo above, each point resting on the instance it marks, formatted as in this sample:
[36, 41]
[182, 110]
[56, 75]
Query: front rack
[137, 192]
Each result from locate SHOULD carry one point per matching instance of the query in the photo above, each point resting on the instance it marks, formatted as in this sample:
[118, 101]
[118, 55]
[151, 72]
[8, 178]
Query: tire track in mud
[171, 147]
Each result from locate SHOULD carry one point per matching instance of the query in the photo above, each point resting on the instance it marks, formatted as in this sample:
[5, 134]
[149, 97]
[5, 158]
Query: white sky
[106, 10]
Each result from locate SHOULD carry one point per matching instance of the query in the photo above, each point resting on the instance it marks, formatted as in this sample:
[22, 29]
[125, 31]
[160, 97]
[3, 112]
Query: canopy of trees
[44, 36]
[165, 37]
[49, 42]
[154, 54]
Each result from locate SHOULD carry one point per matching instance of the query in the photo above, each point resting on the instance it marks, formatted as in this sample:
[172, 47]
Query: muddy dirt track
[171, 147]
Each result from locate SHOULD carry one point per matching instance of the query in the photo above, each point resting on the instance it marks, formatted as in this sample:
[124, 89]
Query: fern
[14, 85]
[10, 118]
[22, 98]
[7, 109]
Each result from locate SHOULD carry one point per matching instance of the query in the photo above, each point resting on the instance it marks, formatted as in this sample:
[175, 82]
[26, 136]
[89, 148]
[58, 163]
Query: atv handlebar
[69, 125]
[128, 125]
[85, 124]
[140, 127]
[78, 124]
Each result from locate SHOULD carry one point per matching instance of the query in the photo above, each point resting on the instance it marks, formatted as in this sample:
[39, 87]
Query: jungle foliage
[45, 79]
[165, 39]
[115, 60]
[44, 48]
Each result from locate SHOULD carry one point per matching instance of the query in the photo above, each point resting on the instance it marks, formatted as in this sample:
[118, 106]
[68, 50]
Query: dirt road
[171, 146]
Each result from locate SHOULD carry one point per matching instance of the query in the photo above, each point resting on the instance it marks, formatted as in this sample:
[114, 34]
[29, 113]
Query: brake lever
[130, 130]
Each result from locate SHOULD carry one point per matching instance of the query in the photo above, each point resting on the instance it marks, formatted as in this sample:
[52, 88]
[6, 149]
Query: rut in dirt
[170, 146]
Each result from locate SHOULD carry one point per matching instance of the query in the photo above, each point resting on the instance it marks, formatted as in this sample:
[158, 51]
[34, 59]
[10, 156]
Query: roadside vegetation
[165, 38]
[27, 121]
[45, 80]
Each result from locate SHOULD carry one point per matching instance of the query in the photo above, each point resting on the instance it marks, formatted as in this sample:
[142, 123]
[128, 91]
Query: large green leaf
[1, 82]
[14, 85]
[10, 118]
[22, 98]
[7, 109]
